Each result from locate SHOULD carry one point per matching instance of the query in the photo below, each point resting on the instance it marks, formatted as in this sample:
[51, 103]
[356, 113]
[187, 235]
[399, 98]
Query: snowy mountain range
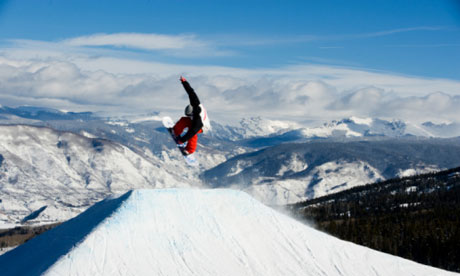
[254, 127]
[353, 128]
[293, 172]
[54, 164]
[195, 232]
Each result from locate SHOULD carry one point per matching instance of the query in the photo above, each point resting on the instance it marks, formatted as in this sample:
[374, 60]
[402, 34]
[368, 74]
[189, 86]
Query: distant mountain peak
[258, 126]
[44, 113]
[362, 121]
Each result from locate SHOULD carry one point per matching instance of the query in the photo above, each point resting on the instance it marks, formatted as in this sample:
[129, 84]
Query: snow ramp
[195, 232]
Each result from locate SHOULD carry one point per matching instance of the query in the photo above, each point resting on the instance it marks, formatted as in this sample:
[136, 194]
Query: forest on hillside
[416, 217]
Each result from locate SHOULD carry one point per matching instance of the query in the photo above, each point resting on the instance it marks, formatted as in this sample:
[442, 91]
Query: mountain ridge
[298, 171]
[292, 179]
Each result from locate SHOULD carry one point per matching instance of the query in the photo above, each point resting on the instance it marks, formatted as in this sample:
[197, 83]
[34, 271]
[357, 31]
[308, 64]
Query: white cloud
[68, 76]
[178, 45]
[364, 99]
[396, 31]
[435, 106]
[306, 38]
[138, 41]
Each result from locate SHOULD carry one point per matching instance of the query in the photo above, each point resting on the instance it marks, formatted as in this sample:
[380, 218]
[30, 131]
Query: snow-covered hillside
[289, 173]
[47, 175]
[195, 232]
[324, 179]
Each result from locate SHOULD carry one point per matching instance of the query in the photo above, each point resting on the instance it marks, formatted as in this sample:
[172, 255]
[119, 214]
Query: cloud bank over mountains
[108, 73]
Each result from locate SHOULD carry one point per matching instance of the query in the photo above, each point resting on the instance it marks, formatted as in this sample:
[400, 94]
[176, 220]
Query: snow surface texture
[195, 232]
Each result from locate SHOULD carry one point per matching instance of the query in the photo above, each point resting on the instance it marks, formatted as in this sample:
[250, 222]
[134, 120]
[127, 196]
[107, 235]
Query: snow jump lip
[195, 232]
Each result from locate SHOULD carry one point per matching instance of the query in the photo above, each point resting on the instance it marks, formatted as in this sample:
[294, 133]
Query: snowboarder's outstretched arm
[194, 101]
[197, 123]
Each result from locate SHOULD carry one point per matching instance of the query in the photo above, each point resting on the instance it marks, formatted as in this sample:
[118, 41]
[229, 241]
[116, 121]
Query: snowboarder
[194, 121]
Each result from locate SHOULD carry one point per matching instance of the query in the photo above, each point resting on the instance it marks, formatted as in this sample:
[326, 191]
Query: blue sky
[408, 37]
[308, 60]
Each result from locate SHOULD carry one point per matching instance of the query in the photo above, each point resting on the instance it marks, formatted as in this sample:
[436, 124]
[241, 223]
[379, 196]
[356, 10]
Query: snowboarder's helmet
[189, 110]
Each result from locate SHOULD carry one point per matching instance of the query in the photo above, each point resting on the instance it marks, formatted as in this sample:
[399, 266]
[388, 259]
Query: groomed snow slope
[195, 232]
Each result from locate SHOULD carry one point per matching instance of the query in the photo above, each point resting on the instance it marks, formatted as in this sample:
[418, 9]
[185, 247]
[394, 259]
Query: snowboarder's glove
[182, 79]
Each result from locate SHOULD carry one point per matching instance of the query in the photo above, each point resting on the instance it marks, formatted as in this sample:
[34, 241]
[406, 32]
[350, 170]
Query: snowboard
[190, 159]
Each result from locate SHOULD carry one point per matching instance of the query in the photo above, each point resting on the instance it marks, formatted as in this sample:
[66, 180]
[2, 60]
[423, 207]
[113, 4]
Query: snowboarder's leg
[181, 125]
[191, 144]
